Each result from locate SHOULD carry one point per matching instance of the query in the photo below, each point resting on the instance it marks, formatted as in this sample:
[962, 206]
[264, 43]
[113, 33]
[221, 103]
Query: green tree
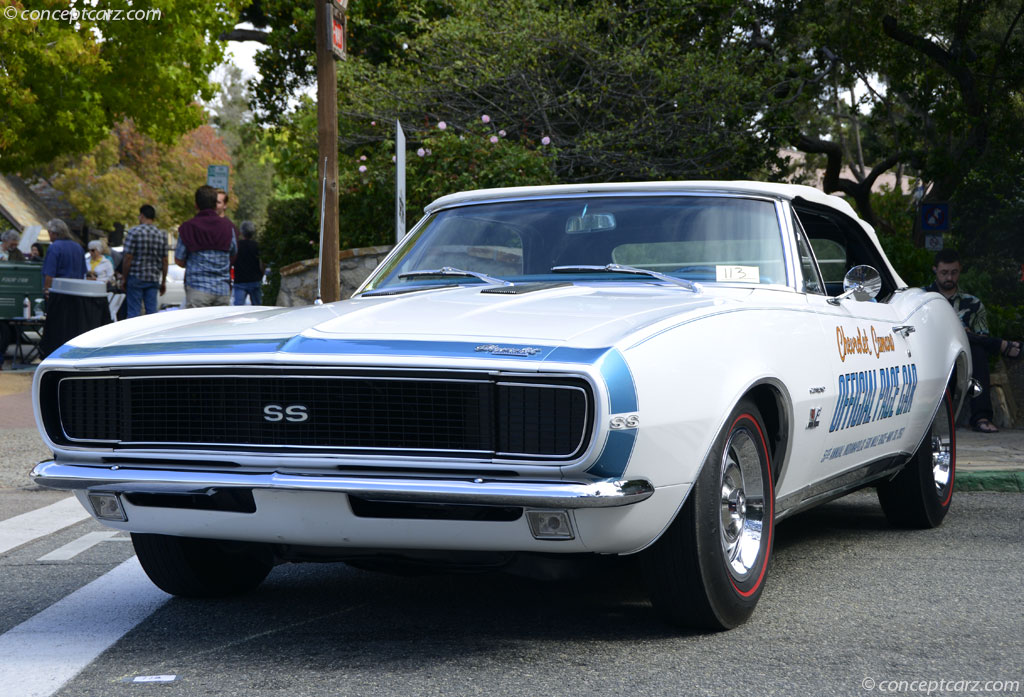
[377, 32]
[935, 86]
[66, 80]
[127, 168]
[252, 163]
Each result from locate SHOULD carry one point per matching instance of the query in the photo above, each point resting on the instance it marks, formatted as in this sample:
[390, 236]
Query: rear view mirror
[590, 222]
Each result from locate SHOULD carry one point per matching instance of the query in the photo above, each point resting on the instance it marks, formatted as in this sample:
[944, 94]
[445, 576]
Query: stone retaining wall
[298, 280]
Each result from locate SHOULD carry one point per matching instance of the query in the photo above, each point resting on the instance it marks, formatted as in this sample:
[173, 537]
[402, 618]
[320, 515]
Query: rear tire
[709, 568]
[198, 568]
[920, 495]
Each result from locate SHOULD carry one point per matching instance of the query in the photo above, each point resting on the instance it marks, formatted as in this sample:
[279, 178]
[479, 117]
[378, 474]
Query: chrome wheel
[920, 494]
[742, 504]
[709, 568]
[942, 456]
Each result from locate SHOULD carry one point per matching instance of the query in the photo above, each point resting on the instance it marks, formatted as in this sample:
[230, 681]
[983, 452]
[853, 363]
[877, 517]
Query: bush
[291, 234]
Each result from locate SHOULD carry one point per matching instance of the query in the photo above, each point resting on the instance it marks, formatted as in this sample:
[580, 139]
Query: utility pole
[327, 132]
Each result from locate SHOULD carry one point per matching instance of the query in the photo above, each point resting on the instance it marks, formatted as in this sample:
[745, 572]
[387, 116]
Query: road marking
[75, 547]
[44, 652]
[41, 522]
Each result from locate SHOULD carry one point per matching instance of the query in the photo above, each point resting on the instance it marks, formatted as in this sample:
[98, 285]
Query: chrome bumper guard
[600, 494]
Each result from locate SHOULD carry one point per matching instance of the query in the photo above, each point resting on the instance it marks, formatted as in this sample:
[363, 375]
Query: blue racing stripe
[621, 387]
[164, 348]
[615, 456]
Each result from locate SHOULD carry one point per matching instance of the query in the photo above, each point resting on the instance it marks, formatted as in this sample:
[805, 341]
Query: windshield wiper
[619, 268]
[450, 271]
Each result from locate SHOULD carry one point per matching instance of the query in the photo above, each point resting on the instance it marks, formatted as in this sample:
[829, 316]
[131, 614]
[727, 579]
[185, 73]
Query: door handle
[904, 329]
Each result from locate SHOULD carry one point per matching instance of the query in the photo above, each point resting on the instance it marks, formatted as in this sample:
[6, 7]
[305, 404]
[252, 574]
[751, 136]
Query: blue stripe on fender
[621, 388]
[622, 400]
[615, 456]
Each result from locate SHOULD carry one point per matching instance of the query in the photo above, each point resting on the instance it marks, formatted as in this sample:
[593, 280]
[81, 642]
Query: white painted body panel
[688, 358]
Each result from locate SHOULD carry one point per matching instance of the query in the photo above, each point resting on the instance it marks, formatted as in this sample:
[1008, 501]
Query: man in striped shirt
[206, 249]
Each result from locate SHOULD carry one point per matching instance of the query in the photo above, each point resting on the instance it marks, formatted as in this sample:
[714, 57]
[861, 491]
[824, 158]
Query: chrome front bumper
[119, 479]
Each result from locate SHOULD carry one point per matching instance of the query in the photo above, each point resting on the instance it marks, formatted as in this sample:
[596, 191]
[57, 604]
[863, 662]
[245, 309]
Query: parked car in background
[174, 297]
[663, 370]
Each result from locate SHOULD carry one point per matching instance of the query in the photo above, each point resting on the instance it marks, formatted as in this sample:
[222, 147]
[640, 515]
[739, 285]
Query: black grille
[473, 415]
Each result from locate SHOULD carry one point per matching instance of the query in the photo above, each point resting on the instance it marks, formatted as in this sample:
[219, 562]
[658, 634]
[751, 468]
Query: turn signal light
[550, 525]
[107, 506]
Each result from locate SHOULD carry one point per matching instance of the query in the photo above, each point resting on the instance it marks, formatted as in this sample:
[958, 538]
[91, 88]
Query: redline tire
[709, 568]
[920, 495]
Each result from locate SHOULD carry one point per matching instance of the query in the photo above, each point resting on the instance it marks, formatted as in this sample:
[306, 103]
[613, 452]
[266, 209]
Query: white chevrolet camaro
[661, 369]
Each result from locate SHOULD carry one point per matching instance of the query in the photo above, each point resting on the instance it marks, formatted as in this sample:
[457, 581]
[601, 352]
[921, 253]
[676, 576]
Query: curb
[989, 480]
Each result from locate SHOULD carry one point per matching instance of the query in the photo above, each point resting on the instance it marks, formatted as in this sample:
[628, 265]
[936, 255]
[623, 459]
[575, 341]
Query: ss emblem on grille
[293, 412]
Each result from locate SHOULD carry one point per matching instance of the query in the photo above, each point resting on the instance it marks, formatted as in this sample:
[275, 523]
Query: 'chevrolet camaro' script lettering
[861, 343]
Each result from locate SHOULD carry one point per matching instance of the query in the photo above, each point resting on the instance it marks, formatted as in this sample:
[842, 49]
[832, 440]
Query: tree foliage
[65, 82]
[376, 33]
[252, 162]
[127, 169]
[934, 86]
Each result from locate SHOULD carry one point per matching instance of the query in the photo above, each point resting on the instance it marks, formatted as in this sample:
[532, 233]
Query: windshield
[698, 238]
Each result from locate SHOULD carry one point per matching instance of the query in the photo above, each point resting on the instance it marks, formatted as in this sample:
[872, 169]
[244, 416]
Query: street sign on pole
[935, 216]
[217, 176]
[336, 28]
[399, 182]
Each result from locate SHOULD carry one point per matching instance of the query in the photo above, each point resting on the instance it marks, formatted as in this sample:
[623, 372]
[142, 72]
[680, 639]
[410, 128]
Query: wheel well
[769, 402]
[957, 384]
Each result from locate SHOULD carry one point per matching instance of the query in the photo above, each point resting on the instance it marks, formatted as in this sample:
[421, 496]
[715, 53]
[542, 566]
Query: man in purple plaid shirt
[206, 249]
[144, 269]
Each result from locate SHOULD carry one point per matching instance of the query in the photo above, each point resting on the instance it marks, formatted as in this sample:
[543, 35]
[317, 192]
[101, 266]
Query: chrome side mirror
[864, 283]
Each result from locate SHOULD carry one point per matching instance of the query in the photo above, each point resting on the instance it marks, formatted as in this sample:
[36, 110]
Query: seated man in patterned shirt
[975, 320]
[206, 249]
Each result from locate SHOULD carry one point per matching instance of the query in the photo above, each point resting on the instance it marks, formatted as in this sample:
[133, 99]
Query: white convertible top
[781, 191]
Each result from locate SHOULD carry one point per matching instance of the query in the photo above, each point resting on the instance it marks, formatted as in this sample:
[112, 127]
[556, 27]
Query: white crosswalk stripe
[24, 528]
[40, 655]
[75, 547]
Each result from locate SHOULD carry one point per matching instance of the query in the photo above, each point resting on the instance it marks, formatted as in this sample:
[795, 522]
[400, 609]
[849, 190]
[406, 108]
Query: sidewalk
[985, 461]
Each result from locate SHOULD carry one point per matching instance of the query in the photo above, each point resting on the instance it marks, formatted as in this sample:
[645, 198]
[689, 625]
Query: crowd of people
[216, 254]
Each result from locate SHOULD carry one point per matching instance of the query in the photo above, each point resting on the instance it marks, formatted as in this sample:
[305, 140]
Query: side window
[808, 269]
[831, 256]
[839, 244]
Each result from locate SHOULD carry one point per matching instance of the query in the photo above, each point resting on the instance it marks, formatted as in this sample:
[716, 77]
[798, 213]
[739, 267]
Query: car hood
[583, 316]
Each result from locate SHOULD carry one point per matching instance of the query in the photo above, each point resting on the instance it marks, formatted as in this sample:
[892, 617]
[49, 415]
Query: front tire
[920, 495]
[197, 568]
[709, 568]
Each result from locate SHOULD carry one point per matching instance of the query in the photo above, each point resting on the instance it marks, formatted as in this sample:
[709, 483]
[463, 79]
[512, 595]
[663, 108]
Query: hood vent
[521, 288]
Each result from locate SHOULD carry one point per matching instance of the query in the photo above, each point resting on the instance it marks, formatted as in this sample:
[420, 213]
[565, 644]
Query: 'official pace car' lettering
[867, 396]
[873, 344]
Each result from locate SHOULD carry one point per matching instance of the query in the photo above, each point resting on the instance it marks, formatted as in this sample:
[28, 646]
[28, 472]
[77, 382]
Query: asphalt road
[850, 605]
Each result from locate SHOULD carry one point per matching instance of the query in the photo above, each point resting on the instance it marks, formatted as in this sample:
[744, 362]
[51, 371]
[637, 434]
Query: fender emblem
[496, 350]
[815, 415]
